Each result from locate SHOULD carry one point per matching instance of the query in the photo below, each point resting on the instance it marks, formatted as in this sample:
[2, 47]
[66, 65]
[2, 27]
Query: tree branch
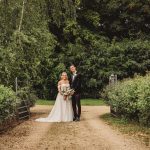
[22, 14]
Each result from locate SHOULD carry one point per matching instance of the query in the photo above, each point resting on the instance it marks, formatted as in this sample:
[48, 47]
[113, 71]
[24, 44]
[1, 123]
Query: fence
[22, 109]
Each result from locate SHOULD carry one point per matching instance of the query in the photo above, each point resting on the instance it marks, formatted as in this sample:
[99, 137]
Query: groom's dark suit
[75, 83]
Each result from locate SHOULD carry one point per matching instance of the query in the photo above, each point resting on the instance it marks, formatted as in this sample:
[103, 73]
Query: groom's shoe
[74, 119]
[77, 119]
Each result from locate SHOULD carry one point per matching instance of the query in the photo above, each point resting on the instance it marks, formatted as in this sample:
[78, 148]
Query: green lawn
[45, 102]
[84, 102]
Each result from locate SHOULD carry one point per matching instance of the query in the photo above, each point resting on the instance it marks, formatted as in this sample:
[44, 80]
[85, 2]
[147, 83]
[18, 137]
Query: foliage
[120, 19]
[8, 102]
[29, 96]
[100, 37]
[131, 98]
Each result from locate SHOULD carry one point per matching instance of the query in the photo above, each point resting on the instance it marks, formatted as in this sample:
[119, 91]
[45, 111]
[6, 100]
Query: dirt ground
[91, 133]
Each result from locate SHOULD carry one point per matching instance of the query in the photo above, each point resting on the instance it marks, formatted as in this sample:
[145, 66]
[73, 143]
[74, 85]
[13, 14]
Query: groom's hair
[73, 65]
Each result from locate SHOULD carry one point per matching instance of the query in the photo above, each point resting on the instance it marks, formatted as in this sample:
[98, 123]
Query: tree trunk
[22, 14]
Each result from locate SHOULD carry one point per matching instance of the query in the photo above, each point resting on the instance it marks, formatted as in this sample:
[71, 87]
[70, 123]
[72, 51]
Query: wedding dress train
[62, 110]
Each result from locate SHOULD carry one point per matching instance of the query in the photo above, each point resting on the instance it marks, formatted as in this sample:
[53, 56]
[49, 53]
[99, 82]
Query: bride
[62, 110]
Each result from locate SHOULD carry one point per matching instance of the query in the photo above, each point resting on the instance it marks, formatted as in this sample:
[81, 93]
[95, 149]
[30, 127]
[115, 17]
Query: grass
[84, 102]
[128, 127]
[45, 102]
[92, 102]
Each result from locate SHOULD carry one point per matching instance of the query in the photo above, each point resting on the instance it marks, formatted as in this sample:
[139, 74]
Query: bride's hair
[62, 74]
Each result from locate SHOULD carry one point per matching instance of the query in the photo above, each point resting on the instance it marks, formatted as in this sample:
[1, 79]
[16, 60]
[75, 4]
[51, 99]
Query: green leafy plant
[99, 37]
[8, 103]
[131, 98]
[27, 95]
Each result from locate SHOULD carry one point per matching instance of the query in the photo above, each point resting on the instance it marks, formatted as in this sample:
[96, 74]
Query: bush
[131, 98]
[27, 95]
[8, 102]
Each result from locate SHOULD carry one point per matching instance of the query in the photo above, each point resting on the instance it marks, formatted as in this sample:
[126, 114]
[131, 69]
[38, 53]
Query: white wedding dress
[62, 110]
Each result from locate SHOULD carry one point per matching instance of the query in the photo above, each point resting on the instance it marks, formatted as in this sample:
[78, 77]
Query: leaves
[8, 102]
[131, 98]
[100, 37]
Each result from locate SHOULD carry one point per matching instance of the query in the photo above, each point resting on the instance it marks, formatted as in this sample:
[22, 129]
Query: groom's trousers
[76, 105]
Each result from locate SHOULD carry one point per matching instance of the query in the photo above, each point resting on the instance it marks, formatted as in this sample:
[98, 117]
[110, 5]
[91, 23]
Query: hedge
[27, 94]
[8, 102]
[131, 98]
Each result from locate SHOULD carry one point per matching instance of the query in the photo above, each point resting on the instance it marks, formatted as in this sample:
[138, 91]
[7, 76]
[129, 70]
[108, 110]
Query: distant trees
[39, 40]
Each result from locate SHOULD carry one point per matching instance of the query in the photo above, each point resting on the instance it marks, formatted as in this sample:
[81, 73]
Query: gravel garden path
[91, 133]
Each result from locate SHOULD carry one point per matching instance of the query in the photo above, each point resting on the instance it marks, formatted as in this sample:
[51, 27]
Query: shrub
[131, 98]
[28, 95]
[143, 103]
[8, 102]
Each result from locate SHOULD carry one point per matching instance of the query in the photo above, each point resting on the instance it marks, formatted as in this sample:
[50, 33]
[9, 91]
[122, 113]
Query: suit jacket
[76, 83]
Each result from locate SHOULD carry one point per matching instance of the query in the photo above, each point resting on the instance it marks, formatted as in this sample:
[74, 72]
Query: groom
[75, 83]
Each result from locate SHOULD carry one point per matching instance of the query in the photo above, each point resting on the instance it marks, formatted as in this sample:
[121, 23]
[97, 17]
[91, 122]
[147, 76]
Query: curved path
[91, 133]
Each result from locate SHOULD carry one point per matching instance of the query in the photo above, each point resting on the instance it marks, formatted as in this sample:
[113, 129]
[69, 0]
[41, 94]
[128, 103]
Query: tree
[40, 39]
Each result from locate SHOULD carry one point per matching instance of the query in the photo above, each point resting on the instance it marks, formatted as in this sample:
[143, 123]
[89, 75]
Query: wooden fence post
[16, 85]
[112, 82]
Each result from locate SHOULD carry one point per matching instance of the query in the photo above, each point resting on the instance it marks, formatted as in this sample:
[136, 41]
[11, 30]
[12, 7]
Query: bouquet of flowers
[68, 93]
